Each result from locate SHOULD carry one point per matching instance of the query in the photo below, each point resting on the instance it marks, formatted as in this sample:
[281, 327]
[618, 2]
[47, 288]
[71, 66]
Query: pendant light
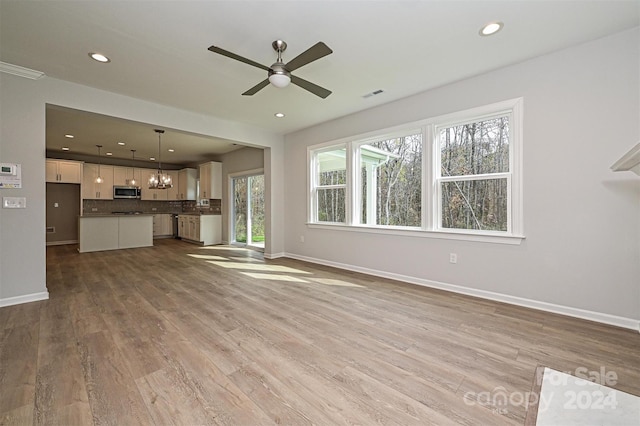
[159, 180]
[99, 179]
[133, 182]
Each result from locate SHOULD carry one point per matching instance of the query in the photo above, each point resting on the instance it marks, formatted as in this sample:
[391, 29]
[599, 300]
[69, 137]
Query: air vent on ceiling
[375, 92]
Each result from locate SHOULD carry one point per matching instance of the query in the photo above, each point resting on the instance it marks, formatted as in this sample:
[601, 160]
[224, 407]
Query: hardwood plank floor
[181, 334]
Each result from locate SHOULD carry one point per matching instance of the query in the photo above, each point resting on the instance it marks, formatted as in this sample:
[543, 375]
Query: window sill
[493, 238]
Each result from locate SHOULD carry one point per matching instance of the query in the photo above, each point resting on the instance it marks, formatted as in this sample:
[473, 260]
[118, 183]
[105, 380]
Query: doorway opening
[248, 211]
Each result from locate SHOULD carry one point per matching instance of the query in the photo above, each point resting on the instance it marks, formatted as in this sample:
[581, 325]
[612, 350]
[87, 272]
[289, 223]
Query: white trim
[17, 300]
[274, 255]
[629, 323]
[20, 71]
[61, 243]
[431, 180]
[629, 161]
[496, 237]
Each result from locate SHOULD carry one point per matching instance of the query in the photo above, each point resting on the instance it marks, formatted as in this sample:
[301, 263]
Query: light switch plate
[14, 202]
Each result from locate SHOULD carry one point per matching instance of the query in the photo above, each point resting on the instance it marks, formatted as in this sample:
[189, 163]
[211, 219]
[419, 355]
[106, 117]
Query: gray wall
[581, 254]
[238, 161]
[63, 209]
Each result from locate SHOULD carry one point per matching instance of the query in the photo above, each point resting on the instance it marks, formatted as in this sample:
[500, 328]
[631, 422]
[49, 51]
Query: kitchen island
[113, 232]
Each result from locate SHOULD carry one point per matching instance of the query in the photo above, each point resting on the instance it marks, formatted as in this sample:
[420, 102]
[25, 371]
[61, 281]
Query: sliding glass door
[248, 210]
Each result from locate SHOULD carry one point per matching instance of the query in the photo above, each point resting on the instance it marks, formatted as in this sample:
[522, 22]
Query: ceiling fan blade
[257, 88]
[313, 88]
[231, 55]
[316, 51]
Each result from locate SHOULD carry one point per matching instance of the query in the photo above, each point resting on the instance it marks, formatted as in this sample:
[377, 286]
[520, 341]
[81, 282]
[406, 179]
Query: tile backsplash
[124, 205]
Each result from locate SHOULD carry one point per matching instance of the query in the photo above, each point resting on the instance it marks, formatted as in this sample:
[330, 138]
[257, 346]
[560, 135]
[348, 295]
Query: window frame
[314, 186]
[431, 192]
[356, 150]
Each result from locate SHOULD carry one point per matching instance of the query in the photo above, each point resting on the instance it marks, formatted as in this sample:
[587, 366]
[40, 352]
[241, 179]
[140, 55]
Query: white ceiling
[158, 49]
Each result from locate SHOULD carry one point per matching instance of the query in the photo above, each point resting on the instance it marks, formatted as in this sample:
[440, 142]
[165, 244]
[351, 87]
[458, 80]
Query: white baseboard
[61, 243]
[277, 255]
[34, 297]
[600, 317]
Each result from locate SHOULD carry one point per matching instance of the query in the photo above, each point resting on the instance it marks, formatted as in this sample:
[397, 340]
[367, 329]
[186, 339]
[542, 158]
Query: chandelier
[159, 180]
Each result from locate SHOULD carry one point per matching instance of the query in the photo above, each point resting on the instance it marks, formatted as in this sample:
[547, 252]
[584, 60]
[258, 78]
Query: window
[455, 176]
[473, 175]
[390, 181]
[329, 185]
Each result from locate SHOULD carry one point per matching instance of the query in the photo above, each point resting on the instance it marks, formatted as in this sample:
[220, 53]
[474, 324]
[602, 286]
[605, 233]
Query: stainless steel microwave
[126, 192]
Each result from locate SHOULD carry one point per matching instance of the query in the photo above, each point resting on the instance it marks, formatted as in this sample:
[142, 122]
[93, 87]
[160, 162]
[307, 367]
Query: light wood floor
[158, 336]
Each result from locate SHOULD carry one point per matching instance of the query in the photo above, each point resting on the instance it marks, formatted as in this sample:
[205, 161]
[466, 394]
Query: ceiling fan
[280, 73]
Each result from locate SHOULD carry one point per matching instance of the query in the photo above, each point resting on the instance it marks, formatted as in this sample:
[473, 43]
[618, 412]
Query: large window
[473, 175]
[451, 176]
[391, 181]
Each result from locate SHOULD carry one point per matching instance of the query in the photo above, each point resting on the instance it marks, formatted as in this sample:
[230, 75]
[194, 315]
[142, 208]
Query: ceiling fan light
[279, 80]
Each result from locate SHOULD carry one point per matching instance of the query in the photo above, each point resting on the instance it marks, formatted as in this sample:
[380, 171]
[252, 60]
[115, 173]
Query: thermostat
[8, 169]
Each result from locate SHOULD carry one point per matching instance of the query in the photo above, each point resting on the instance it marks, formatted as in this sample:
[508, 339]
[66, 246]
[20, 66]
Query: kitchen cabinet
[173, 193]
[63, 171]
[187, 184]
[162, 225]
[202, 229]
[211, 180]
[125, 176]
[97, 191]
[98, 233]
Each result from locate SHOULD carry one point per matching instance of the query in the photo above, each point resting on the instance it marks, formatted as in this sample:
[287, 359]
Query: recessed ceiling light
[121, 143]
[65, 148]
[109, 153]
[279, 114]
[68, 136]
[171, 150]
[99, 57]
[491, 28]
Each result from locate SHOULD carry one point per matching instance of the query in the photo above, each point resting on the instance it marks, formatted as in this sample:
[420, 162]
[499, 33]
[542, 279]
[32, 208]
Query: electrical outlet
[94, 209]
[302, 238]
[453, 258]
[153, 209]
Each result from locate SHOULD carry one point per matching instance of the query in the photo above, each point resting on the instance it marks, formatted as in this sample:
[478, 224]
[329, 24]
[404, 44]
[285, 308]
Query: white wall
[22, 121]
[582, 227]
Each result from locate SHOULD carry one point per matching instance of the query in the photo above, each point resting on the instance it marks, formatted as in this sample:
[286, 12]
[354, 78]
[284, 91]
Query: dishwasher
[174, 220]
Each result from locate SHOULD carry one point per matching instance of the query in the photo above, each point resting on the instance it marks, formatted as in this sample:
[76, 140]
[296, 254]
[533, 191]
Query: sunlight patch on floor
[257, 267]
[207, 256]
[224, 248]
[246, 259]
[275, 277]
[334, 282]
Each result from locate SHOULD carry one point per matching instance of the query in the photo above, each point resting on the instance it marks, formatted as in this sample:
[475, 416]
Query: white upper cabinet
[97, 191]
[173, 193]
[211, 180]
[63, 171]
[124, 176]
[187, 184]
